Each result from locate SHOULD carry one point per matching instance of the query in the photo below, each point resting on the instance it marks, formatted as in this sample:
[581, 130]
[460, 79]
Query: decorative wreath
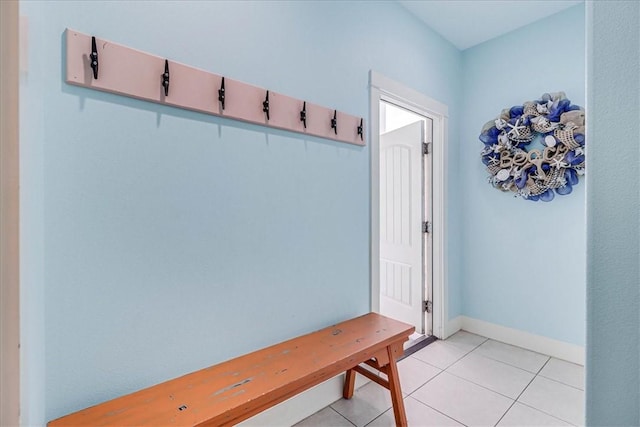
[537, 173]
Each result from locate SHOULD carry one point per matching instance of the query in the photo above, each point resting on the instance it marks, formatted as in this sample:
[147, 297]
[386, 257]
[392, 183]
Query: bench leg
[349, 384]
[396, 393]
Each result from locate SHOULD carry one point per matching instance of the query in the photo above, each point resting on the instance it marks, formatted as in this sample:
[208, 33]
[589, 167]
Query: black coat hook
[265, 105]
[303, 114]
[361, 130]
[165, 78]
[94, 58]
[221, 93]
[334, 121]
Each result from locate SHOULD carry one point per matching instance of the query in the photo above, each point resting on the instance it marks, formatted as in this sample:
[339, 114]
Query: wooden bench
[237, 389]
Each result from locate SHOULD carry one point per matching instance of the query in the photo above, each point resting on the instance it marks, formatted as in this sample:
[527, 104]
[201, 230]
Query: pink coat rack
[102, 65]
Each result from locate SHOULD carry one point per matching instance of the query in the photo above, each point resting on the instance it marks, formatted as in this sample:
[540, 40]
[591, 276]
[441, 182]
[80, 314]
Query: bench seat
[232, 391]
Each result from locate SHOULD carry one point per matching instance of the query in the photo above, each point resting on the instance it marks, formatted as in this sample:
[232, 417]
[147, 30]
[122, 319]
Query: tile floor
[473, 381]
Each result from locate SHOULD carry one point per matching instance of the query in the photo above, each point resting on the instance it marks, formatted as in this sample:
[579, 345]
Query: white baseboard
[301, 406]
[549, 346]
[452, 326]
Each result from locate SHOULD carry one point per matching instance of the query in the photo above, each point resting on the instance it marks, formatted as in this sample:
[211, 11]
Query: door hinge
[426, 148]
[427, 306]
[426, 227]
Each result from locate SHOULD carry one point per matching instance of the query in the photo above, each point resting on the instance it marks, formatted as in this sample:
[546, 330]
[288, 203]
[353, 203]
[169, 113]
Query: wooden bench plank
[235, 390]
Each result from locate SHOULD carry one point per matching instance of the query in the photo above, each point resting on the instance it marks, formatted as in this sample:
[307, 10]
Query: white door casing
[401, 217]
[384, 88]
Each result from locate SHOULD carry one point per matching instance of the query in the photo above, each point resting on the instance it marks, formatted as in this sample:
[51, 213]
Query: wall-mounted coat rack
[137, 74]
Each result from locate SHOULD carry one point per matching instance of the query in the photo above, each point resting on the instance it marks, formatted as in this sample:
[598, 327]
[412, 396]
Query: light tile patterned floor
[470, 380]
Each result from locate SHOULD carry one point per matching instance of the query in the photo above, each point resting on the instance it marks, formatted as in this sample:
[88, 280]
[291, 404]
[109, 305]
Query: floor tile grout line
[504, 363]
[437, 410]
[511, 364]
[474, 347]
[421, 385]
[427, 382]
[384, 412]
[427, 363]
[442, 413]
[542, 367]
[421, 403]
[532, 380]
[431, 364]
[550, 415]
[505, 412]
[518, 397]
[348, 420]
[546, 413]
[520, 348]
[559, 382]
[451, 364]
[487, 388]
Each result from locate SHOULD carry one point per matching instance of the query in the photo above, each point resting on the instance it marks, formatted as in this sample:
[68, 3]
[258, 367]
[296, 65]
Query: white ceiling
[466, 23]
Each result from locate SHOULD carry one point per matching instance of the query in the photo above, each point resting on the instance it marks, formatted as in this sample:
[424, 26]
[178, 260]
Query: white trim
[374, 238]
[382, 87]
[410, 96]
[440, 280]
[302, 405]
[549, 346]
[453, 326]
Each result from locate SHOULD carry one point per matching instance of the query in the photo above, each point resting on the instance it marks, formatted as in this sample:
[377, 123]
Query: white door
[402, 283]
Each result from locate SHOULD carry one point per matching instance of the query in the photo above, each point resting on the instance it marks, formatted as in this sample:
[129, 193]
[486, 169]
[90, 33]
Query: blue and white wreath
[536, 174]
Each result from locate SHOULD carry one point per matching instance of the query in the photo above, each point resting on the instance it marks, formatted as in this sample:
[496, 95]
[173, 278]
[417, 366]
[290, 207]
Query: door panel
[401, 216]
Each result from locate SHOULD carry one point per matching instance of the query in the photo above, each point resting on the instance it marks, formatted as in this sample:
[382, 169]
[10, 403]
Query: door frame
[9, 215]
[382, 88]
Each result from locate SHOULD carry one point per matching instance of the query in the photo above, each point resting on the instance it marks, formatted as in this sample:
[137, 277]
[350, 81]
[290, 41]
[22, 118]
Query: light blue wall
[523, 263]
[165, 241]
[613, 229]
